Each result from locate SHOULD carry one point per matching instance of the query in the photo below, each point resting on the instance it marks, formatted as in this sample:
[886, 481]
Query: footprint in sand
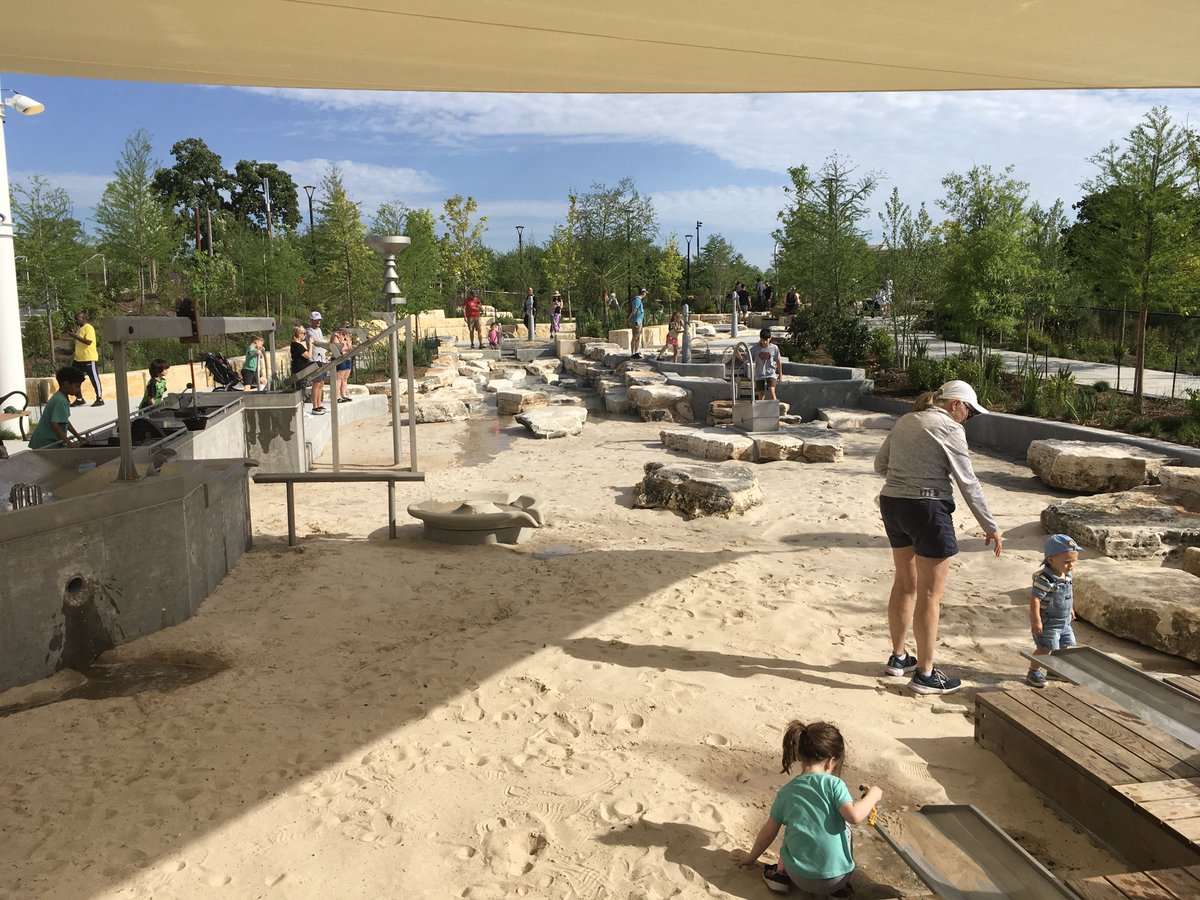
[716, 740]
[621, 810]
[508, 849]
[630, 722]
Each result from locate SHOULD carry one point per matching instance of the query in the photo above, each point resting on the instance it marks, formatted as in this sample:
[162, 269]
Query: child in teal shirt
[814, 809]
[55, 422]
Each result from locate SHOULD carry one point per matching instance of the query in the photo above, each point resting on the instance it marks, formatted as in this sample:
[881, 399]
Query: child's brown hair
[807, 744]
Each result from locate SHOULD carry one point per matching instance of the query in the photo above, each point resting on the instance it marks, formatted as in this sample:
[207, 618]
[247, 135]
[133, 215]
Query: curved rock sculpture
[486, 518]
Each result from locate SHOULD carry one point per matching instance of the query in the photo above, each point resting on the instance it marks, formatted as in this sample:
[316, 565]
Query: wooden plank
[1177, 748]
[1177, 882]
[1188, 828]
[1096, 889]
[1189, 684]
[1174, 808]
[1083, 795]
[1097, 741]
[1137, 886]
[1076, 754]
[1174, 789]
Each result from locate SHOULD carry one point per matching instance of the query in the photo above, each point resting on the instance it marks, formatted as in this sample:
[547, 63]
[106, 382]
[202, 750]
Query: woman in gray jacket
[924, 451]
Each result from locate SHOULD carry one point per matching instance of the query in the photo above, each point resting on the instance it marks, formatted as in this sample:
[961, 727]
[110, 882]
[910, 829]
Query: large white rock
[1093, 468]
[772, 447]
[1191, 560]
[539, 367]
[439, 410]
[1157, 607]
[698, 489]
[856, 419]
[510, 403]
[616, 401]
[657, 396]
[709, 443]
[1181, 483]
[499, 384]
[597, 350]
[554, 422]
[640, 377]
[1125, 525]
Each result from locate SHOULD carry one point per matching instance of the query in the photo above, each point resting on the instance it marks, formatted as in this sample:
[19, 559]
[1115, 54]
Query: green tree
[417, 267]
[53, 245]
[137, 231]
[668, 270]
[247, 201]
[1146, 221]
[1049, 275]
[563, 263]
[348, 272]
[718, 269]
[193, 186]
[989, 262]
[617, 228]
[464, 260]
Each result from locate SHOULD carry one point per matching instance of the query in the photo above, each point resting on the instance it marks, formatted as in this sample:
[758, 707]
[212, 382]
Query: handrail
[24, 406]
[352, 352]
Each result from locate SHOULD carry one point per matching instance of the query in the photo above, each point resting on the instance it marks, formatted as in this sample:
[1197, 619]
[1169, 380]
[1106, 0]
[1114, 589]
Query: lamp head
[26, 106]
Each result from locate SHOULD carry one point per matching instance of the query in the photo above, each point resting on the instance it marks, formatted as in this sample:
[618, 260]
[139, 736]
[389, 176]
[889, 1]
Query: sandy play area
[596, 713]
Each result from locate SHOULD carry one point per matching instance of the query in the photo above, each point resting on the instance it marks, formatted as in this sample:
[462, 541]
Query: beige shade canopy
[627, 46]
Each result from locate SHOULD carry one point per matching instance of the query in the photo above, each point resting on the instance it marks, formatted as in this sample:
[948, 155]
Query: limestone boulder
[539, 367]
[510, 403]
[1191, 560]
[616, 401]
[715, 444]
[1155, 606]
[436, 379]
[1181, 484]
[856, 419]
[642, 377]
[1093, 468]
[596, 350]
[771, 447]
[698, 489]
[439, 410]
[496, 385]
[657, 396]
[554, 422]
[1126, 525]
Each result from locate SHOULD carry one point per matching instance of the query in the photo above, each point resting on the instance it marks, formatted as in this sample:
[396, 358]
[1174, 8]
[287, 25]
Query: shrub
[848, 340]
[1193, 403]
[921, 372]
[1189, 432]
[1101, 386]
[883, 348]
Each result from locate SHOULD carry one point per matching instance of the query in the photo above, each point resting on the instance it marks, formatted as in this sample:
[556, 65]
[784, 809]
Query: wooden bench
[291, 479]
[1161, 884]
[1095, 760]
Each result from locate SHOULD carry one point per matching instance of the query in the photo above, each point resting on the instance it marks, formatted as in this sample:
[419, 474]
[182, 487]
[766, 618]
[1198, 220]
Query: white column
[12, 350]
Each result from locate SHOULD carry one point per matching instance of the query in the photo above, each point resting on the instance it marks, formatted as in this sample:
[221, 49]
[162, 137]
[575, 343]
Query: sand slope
[594, 714]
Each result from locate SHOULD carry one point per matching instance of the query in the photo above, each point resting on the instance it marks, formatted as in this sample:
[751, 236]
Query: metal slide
[962, 855]
[1151, 700]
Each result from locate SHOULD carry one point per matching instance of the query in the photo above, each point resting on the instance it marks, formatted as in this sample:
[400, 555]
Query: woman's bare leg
[931, 583]
[903, 598]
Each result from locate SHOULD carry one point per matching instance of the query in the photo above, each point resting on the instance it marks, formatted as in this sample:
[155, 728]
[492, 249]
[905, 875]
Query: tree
[563, 262]
[247, 201]
[617, 227]
[909, 266]
[194, 185]
[823, 248]
[137, 232]
[989, 262]
[1049, 274]
[418, 266]
[668, 270]
[52, 242]
[346, 267]
[718, 269]
[1145, 221]
[463, 255]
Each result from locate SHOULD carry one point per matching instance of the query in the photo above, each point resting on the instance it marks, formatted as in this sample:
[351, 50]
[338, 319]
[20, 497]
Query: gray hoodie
[920, 456]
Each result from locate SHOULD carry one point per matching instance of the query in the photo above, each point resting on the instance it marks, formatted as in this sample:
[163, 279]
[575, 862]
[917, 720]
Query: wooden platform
[1189, 684]
[1127, 782]
[1161, 884]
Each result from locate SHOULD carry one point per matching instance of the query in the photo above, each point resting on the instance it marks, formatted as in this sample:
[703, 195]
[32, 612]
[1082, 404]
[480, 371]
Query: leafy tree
[271, 275]
[910, 263]
[247, 201]
[1049, 275]
[137, 232]
[194, 185]
[617, 228]
[1145, 222]
[563, 263]
[418, 266]
[668, 270]
[348, 271]
[718, 269]
[823, 247]
[463, 255]
[989, 263]
[52, 241]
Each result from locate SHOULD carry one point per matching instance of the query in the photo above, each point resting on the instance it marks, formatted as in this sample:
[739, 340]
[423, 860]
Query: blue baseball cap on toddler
[1058, 543]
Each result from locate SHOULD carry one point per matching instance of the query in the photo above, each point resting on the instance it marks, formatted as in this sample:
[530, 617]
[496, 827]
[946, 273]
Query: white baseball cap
[960, 390]
[315, 315]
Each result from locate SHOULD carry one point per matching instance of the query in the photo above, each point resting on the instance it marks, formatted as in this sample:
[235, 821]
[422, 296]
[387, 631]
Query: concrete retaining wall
[1012, 435]
[112, 562]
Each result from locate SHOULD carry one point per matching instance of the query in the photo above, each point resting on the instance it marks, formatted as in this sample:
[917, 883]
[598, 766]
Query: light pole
[311, 189]
[688, 288]
[698, 224]
[12, 353]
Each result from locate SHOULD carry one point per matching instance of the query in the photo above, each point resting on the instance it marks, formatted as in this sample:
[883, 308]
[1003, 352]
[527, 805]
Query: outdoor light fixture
[12, 352]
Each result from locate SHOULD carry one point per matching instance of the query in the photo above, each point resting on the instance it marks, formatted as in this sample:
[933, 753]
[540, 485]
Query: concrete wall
[274, 430]
[704, 391]
[109, 562]
[1012, 435]
[701, 370]
[826, 373]
[804, 398]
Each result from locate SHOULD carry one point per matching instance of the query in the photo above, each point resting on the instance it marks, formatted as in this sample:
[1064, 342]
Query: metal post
[126, 472]
[394, 354]
[733, 327]
[686, 354]
[291, 505]
[311, 189]
[392, 509]
[271, 382]
[332, 385]
[412, 394]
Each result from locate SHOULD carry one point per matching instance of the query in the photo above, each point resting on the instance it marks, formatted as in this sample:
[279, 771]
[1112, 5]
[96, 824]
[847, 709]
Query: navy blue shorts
[925, 525]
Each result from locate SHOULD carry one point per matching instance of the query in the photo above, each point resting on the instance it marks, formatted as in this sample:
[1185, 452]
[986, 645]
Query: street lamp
[311, 189]
[698, 224]
[12, 353]
[689, 264]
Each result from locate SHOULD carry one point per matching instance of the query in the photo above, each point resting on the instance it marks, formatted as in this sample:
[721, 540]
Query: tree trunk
[1140, 373]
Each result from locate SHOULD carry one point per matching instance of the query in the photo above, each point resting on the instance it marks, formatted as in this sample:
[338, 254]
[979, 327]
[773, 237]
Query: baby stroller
[221, 371]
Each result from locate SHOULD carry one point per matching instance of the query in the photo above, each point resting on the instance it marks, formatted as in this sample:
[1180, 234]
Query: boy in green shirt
[156, 387]
[55, 422]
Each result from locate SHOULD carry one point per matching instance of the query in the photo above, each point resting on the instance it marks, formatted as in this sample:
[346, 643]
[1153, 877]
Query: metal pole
[311, 189]
[271, 382]
[412, 395]
[12, 353]
[686, 354]
[126, 472]
[394, 354]
[332, 385]
[733, 326]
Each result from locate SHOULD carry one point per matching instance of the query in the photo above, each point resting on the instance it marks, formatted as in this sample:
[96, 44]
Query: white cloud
[84, 190]
[368, 183]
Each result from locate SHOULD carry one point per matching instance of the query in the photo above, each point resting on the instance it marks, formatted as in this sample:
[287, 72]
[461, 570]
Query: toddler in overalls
[1051, 604]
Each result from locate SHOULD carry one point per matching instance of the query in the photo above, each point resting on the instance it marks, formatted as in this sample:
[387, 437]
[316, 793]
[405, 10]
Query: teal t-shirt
[816, 839]
[251, 362]
[57, 409]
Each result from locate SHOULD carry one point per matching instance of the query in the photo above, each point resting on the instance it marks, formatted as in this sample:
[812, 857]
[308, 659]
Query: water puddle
[550, 551]
[125, 679]
[486, 438]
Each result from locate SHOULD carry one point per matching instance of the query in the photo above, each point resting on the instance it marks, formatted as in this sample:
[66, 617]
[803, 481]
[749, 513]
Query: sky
[720, 159]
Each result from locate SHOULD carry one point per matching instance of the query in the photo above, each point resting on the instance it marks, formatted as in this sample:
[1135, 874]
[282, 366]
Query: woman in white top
[924, 452]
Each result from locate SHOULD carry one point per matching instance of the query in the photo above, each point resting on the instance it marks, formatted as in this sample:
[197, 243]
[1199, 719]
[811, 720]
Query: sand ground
[596, 713]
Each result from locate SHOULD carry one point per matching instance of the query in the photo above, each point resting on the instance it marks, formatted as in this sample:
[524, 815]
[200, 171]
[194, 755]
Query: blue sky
[721, 159]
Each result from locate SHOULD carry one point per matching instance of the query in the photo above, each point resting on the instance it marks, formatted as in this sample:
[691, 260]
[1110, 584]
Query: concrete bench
[291, 479]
